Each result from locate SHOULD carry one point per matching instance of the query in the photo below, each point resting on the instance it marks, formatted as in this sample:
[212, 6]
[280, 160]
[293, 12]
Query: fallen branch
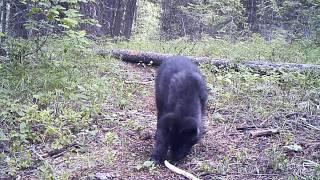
[310, 126]
[138, 82]
[58, 152]
[264, 132]
[41, 158]
[156, 59]
[244, 128]
[180, 171]
[236, 174]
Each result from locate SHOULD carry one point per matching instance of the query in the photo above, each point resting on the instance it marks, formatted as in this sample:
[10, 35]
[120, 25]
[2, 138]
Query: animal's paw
[157, 159]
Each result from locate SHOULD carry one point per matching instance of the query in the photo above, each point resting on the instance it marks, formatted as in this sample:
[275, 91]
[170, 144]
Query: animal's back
[175, 73]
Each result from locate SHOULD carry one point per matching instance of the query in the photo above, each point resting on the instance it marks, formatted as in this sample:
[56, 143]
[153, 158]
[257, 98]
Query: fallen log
[156, 59]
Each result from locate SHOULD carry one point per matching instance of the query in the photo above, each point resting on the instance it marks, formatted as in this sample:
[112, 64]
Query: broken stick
[244, 128]
[264, 132]
[180, 171]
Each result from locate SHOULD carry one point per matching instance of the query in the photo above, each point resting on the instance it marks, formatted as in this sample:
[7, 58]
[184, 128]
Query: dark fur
[181, 97]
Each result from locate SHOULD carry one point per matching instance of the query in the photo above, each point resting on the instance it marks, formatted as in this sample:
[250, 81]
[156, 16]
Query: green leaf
[139, 167]
[81, 33]
[3, 137]
[23, 127]
[20, 113]
[69, 22]
[148, 163]
[35, 10]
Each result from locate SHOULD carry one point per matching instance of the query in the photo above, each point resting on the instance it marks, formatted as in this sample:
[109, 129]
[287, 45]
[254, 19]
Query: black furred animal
[181, 97]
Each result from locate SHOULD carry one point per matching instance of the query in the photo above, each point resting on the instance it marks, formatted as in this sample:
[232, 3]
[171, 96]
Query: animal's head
[184, 132]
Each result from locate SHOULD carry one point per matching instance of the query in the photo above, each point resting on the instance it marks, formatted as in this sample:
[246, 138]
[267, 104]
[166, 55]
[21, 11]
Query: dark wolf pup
[181, 97]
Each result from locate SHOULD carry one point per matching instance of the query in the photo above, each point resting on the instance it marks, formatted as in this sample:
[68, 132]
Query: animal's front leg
[161, 147]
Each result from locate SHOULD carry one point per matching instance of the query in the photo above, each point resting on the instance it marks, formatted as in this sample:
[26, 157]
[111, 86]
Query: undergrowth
[49, 100]
[254, 48]
[66, 94]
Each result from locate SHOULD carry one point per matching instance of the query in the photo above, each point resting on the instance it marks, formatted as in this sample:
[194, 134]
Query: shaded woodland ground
[67, 113]
[118, 139]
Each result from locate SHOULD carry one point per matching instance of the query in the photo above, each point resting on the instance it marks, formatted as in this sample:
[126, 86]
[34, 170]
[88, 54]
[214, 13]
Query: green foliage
[146, 165]
[52, 97]
[55, 91]
[255, 48]
[147, 24]
[48, 98]
[224, 17]
[235, 19]
[62, 11]
[302, 17]
[109, 138]
[49, 19]
[278, 161]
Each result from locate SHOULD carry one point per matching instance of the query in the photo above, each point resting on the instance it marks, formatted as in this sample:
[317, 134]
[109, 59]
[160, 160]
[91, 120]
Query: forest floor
[119, 139]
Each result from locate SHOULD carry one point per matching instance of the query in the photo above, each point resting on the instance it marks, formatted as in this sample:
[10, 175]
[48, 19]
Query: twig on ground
[33, 149]
[180, 171]
[138, 82]
[243, 128]
[309, 163]
[264, 132]
[238, 174]
[58, 152]
[303, 122]
[310, 126]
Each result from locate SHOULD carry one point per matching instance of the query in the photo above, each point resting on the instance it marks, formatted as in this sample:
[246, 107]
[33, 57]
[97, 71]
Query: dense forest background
[291, 22]
[232, 19]
[66, 112]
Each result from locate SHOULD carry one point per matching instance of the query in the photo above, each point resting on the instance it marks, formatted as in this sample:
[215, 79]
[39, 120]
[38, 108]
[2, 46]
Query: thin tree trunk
[17, 19]
[107, 17]
[4, 19]
[117, 22]
[1, 10]
[128, 18]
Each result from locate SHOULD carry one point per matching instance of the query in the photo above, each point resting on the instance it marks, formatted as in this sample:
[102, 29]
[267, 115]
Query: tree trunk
[115, 17]
[89, 10]
[128, 18]
[17, 19]
[261, 66]
[107, 16]
[4, 19]
[1, 10]
[251, 13]
[117, 22]
[176, 22]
